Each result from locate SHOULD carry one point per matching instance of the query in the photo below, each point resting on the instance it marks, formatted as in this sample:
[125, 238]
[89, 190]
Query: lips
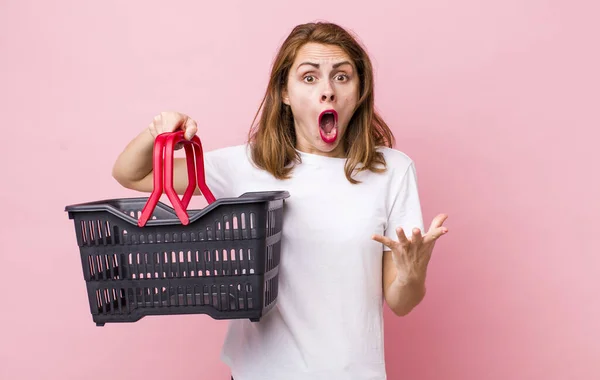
[328, 125]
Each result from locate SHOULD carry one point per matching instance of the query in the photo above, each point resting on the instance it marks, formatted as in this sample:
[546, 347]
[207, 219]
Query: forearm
[135, 162]
[403, 296]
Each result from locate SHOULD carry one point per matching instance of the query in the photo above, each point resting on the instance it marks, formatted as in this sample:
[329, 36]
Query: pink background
[497, 102]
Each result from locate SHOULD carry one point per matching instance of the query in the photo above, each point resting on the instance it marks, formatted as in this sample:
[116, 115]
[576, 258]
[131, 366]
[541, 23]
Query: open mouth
[328, 125]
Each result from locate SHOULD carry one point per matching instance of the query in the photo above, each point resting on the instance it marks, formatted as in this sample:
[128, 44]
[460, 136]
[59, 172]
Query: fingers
[152, 129]
[437, 229]
[402, 239]
[171, 122]
[438, 221]
[417, 237]
[392, 244]
[190, 128]
[433, 235]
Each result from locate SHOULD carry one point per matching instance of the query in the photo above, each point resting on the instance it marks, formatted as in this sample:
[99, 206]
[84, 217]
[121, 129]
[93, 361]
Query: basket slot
[96, 232]
[104, 266]
[158, 298]
[187, 260]
[269, 260]
[268, 292]
[218, 263]
[249, 304]
[135, 298]
[273, 256]
[235, 227]
[110, 300]
[208, 263]
[213, 257]
[234, 297]
[93, 233]
[119, 298]
[238, 261]
[200, 264]
[274, 221]
[218, 292]
[270, 223]
[253, 225]
[114, 268]
[91, 266]
[83, 233]
[218, 231]
[243, 224]
[249, 261]
[159, 263]
[101, 232]
[271, 290]
[177, 256]
[154, 297]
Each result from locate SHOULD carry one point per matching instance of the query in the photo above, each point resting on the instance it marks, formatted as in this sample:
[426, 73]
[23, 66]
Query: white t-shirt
[328, 321]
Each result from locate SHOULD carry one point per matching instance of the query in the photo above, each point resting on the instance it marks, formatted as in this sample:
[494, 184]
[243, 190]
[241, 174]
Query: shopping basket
[142, 257]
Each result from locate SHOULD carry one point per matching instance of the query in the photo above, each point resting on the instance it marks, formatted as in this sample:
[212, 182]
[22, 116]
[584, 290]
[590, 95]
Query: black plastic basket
[222, 261]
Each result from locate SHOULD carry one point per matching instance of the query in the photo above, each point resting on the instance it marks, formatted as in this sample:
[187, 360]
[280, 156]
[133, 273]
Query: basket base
[179, 304]
[252, 315]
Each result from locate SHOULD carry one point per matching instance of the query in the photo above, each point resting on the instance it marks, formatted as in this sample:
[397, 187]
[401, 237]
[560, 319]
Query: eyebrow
[316, 65]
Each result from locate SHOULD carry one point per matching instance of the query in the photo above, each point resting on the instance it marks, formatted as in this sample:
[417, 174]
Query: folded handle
[164, 145]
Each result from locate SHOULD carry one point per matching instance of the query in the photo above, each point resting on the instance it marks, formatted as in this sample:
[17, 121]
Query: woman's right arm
[133, 167]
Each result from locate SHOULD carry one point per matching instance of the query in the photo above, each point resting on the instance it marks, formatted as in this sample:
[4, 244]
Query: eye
[341, 77]
[309, 78]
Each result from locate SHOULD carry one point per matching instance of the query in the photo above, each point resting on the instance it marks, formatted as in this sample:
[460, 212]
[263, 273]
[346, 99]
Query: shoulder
[233, 155]
[226, 159]
[229, 151]
[396, 161]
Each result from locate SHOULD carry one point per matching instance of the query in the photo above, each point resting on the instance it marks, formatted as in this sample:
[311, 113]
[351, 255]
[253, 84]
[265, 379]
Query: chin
[327, 147]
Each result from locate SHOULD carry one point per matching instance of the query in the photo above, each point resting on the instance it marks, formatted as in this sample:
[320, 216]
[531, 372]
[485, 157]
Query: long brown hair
[273, 138]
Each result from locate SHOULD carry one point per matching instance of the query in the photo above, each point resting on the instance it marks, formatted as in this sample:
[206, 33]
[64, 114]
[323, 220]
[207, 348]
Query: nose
[327, 95]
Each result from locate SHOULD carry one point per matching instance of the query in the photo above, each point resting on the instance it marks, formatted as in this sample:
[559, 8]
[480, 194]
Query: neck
[337, 152]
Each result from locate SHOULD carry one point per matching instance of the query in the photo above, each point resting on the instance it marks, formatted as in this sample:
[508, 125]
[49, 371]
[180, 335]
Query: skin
[310, 90]
[316, 83]
[405, 265]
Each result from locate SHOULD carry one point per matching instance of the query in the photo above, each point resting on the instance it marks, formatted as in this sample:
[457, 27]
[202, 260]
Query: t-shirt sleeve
[214, 173]
[405, 208]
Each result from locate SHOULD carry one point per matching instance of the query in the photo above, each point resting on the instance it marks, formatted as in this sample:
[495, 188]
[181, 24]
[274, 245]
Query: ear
[284, 97]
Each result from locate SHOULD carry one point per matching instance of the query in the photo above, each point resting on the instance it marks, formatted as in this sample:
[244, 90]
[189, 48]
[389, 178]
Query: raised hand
[411, 256]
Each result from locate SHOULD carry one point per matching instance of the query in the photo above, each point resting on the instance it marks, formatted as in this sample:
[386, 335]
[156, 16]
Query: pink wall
[497, 102]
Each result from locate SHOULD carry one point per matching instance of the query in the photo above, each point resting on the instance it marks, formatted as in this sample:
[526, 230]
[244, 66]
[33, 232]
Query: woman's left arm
[405, 265]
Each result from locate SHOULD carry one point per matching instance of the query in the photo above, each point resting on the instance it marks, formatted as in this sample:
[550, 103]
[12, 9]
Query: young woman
[353, 231]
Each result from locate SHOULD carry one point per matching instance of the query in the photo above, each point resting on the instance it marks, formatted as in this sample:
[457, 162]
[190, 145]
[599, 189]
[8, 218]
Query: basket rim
[194, 214]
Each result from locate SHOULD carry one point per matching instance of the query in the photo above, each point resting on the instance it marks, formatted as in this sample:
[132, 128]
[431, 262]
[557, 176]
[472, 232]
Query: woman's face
[322, 91]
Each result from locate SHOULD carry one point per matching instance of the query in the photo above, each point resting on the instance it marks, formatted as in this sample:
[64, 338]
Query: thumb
[190, 127]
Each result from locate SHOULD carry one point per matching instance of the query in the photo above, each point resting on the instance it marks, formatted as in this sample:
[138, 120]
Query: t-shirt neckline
[319, 159]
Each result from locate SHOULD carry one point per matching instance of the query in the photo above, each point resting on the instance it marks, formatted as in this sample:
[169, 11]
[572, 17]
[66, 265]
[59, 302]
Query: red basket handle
[163, 176]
